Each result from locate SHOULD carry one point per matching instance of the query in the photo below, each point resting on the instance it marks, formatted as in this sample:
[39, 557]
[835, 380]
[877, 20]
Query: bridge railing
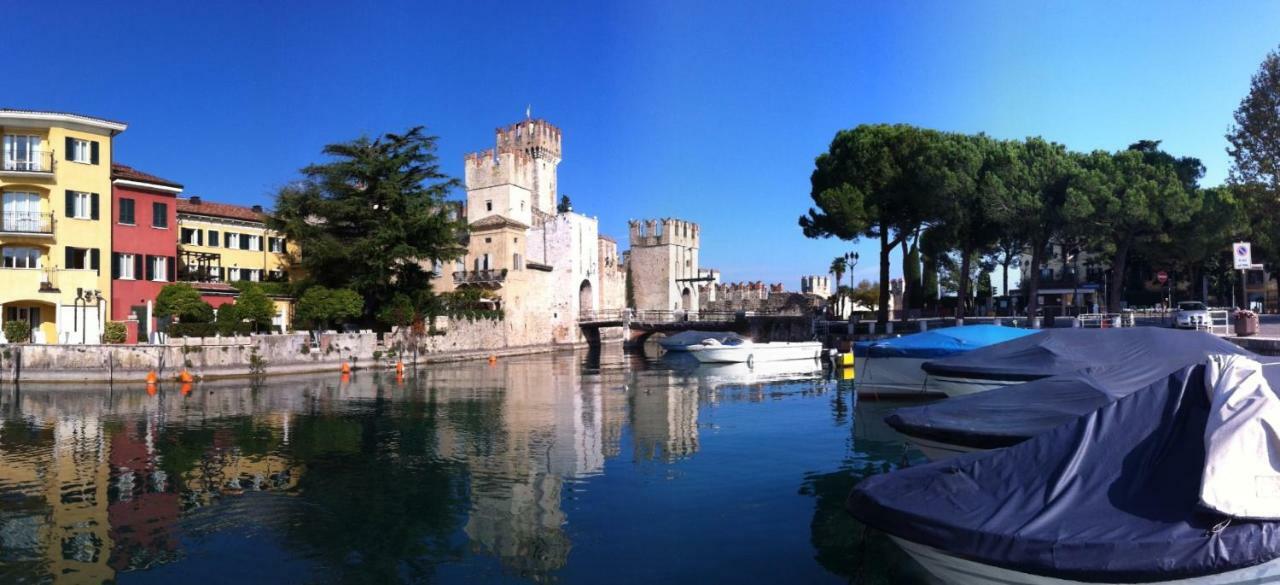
[654, 316]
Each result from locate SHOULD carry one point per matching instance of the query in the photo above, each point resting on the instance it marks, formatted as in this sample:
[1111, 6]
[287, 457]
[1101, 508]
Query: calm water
[566, 468]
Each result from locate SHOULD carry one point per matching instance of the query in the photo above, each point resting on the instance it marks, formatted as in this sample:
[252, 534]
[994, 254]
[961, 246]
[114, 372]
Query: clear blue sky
[686, 109]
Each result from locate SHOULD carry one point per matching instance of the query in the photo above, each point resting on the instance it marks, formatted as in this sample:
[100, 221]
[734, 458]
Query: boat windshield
[1191, 306]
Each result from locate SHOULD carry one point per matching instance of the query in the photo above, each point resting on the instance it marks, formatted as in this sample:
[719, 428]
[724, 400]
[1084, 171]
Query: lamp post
[850, 260]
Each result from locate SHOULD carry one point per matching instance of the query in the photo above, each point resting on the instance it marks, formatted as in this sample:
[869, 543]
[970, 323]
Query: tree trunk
[1033, 285]
[962, 304]
[1004, 288]
[882, 314]
[1118, 272]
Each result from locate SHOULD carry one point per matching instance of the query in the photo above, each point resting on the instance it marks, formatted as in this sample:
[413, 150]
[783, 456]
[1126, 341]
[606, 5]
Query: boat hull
[889, 377]
[758, 352]
[937, 451]
[957, 571]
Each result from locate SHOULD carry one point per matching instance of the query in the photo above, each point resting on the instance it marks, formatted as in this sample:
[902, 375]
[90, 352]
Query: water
[559, 468]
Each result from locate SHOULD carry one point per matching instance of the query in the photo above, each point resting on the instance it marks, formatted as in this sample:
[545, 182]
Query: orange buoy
[493, 359]
[186, 389]
[151, 389]
[151, 377]
[399, 367]
[400, 379]
[186, 377]
[346, 377]
[346, 368]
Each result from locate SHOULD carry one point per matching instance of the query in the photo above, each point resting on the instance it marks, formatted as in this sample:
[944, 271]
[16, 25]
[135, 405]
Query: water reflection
[465, 473]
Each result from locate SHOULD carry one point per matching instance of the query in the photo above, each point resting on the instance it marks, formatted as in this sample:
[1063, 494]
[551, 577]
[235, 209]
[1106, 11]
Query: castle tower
[517, 176]
[664, 264]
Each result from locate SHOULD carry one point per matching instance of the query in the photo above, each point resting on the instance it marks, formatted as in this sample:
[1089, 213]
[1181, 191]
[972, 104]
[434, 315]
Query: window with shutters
[252, 243]
[232, 240]
[213, 238]
[77, 258]
[275, 245]
[80, 205]
[126, 266]
[233, 274]
[160, 215]
[81, 151]
[159, 268]
[18, 257]
[126, 211]
[191, 236]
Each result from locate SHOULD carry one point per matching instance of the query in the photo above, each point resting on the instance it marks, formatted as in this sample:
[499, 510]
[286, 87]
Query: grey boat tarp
[1110, 497]
[1146, 350]
[1011, 414]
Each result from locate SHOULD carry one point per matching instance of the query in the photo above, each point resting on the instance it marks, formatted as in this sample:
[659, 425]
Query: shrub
[231, 322]
[114, 332]
[17, 331]
[321, 307]
[256, 307]
[183, 301]
[193, 330]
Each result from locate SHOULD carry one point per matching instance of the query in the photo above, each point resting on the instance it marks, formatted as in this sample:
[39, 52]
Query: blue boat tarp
[940, 342]
[1111, 497]
[1007, 415]
[1147, 351]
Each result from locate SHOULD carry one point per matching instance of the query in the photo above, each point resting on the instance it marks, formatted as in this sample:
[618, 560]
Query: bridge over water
[638, 326]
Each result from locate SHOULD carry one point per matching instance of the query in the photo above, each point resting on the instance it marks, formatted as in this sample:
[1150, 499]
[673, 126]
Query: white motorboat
[684, 340]
[747, 351]
[715, 375]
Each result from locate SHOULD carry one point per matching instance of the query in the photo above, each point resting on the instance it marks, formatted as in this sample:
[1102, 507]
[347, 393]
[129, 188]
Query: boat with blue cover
[891, 367]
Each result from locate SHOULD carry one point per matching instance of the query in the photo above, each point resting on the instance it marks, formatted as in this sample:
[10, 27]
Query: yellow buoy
[846, 360]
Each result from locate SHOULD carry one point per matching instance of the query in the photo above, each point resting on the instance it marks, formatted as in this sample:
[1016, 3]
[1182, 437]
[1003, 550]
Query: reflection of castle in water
[103, 497]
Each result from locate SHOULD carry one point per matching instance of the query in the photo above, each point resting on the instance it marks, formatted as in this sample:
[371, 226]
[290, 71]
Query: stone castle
[663, 261]
[544, 267]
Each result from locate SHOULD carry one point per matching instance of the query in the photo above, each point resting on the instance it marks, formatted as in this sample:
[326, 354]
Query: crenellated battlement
[536, 138]
[666, 231]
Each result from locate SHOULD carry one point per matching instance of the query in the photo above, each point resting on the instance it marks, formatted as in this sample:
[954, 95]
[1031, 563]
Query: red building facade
[144, 242]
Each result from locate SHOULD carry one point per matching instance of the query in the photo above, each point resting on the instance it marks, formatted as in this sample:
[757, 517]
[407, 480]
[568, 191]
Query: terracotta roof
[225, 210]
[218, 288]
[128, 173]
[496, 221]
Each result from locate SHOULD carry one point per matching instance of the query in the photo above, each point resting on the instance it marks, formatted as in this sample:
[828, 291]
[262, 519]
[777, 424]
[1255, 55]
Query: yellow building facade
[55, 227]
[220, 243]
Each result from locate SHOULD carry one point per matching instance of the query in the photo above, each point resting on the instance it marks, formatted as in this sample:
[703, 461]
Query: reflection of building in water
[664, 419]
[76, 491]
[143, 513]
[553, 427]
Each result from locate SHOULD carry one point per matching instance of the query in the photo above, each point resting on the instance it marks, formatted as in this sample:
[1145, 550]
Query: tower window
[488, 205]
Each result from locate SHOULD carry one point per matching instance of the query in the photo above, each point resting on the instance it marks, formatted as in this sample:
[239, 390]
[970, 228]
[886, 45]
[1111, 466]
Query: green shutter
[71, 203]
[93, 152]
[93, 259]
[93, 206]
[70, 146]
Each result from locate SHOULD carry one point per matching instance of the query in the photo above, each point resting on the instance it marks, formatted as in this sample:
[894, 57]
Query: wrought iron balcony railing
[26, 222]
[493, 276]
[32, 161]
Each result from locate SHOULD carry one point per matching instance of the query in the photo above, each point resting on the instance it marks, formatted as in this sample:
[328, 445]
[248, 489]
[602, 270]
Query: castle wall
[613, 277]
[662, 253]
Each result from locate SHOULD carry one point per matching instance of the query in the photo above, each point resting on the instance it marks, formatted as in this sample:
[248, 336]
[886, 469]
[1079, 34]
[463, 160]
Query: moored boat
[1012, 414]
[892, 367]
[747, 351]
[685, 339]
[1168, 484]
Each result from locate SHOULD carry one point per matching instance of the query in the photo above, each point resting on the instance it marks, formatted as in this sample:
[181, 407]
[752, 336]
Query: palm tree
[837, 268]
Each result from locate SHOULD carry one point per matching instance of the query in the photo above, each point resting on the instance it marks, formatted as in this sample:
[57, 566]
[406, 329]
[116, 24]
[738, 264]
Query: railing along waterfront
[656, 316]
[26, 222]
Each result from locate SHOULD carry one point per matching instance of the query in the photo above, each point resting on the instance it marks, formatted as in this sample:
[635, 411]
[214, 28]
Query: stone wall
[219, 357]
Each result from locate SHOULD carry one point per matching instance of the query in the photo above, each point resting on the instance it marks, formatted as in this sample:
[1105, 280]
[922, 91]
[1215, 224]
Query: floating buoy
[186, 389]
[185, 377]
[346, 367]
[346, 377]
[399, 367]
[493, 359]
[151, 377]
[400, 379]
[151, 389]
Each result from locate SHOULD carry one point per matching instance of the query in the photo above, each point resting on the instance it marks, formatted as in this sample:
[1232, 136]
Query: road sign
[1162, 276]
[1243, 255]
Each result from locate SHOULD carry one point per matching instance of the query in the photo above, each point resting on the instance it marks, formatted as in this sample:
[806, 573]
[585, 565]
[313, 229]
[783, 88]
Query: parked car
[1191, 315]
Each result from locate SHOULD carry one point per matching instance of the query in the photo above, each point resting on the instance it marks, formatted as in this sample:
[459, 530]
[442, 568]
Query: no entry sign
[1162, 276]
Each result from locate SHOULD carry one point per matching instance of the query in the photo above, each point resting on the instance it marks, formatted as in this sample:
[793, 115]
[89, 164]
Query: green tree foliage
[837, 269]
[372, 216]
[181, 300]
[1254, 143]
[872, 183]
[229, 320]
[1032, 214]
[866, 293]
[1124, 199]
[253, 305]
[322, 307]
[400, 312]
[565, 205]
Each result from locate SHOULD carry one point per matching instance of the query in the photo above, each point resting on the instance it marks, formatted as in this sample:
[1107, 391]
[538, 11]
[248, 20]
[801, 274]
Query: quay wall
[274, 354]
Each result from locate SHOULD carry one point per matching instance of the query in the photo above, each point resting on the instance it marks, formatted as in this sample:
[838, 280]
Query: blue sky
[707, 111]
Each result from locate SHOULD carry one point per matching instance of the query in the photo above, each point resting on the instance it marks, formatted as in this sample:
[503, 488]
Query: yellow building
[220, 243]
[55, 232]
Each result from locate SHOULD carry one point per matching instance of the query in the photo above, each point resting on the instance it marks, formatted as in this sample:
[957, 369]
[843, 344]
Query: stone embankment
[244, 356]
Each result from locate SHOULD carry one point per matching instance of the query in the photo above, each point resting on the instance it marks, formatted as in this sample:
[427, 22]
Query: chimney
[195, 200]
[257, 209]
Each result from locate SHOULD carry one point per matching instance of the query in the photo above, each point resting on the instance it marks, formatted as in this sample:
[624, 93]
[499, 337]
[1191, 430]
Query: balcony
[484, 278]
[26, 223]
[31, 164]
